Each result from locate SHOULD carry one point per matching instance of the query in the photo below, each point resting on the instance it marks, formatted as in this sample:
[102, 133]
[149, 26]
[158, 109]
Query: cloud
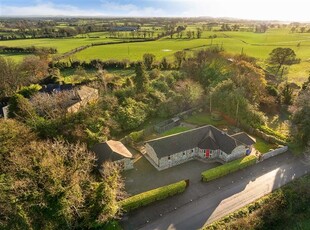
[105, 8]
[119, 9]
[46, 9]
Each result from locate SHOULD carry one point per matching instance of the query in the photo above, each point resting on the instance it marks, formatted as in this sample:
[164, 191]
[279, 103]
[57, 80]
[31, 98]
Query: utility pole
[237, 111]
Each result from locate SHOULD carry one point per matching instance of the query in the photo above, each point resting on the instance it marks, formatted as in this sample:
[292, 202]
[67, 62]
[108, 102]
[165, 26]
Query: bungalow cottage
[205, 142]
[113, 151]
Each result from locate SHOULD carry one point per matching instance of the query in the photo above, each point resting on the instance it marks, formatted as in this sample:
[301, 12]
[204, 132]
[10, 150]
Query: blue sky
[287, 10]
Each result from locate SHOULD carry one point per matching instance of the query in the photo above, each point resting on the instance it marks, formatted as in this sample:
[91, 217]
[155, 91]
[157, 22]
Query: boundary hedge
[227, 168]
[150, 196]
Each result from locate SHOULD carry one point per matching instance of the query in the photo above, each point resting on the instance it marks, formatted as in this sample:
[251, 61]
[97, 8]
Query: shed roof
[244, 138]
[110, 150]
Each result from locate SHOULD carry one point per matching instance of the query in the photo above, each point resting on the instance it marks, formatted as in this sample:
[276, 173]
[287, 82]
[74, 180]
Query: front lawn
[263, 146]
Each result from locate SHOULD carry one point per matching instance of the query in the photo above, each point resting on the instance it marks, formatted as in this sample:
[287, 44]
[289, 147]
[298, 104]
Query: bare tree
[53, 105]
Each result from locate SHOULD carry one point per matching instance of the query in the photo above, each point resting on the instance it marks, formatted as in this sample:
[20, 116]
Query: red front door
[207, 152]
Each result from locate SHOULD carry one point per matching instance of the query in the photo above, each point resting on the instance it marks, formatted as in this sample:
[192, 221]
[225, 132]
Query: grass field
[62, 44]
[258, 45]
[262, 146]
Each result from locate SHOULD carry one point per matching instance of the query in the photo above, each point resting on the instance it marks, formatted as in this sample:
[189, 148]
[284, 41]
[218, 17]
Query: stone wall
[238, 152]
[176, 159]
[273, 153]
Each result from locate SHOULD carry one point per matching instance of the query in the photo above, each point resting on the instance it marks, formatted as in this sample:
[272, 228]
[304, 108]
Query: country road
[222, 196]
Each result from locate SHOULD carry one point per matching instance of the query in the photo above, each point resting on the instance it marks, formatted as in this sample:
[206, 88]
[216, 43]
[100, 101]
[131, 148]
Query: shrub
[150, 196]
[272, 132]
[230, 167]
[136, 136]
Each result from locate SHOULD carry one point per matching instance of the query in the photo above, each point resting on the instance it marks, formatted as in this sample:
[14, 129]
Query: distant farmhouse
[206, 142]
[113, 151]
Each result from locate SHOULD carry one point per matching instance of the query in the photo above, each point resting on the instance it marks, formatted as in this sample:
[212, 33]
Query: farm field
[258, 45]
[62, 44]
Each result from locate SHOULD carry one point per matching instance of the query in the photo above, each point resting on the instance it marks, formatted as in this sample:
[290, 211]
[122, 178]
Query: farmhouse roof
[206, 137]
[244, 138]
[110, 150]
[85, 92]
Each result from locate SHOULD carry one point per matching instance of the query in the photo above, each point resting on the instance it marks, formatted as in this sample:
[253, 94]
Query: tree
[179, 58]
[140, 78]
[164, 64]
[53, 105]
[10, 77]
[50, 185]
[232, 101]
[131, 114]
[282, 56]
[287, 94]
[199, 32]
[189, 94]
[148, 60]
[301, 116]
[251, 79]
[34, 68]
[189, 34]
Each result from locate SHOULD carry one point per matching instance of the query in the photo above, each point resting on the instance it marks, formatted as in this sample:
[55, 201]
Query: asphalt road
[230, 198]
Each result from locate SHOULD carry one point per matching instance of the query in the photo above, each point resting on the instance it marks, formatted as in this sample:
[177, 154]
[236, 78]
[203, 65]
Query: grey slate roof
[244, 138]
[110, 150]
[206, 137]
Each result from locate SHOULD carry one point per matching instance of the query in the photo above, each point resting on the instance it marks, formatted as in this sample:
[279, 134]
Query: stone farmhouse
[113, 151]
[207, 142]
[83, 96]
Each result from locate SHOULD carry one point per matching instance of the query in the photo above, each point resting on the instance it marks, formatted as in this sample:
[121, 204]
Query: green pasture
[62, 44]
[134, 51]
[258, 45]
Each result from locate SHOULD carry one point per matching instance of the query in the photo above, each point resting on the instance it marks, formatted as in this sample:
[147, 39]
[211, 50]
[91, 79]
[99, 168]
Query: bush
[228, 168]
[150, 196]
[136, 136]
[271, 132]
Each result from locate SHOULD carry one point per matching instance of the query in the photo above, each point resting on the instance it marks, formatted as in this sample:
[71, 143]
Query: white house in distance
[113, 151]
[205, 142]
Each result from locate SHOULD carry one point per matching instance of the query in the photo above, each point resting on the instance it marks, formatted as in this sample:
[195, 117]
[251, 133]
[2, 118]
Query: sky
[283, 10]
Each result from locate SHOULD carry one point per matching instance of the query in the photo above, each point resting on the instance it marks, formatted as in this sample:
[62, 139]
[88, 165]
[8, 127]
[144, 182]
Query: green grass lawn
[204, 118]
[263, 146]
[62, 44]
[258, 45]
[175, 130]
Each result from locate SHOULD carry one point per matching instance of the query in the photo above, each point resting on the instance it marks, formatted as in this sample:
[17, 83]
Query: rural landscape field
[170, 114]
[257, 45]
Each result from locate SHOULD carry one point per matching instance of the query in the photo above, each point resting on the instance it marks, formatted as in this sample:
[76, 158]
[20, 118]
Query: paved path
[204, 203]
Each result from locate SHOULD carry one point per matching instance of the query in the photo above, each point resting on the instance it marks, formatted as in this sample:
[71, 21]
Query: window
[169, 158]
[183, 153]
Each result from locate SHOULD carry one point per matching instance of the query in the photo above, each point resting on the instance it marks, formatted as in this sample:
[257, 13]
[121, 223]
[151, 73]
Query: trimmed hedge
[150, 196]
[227, 168]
